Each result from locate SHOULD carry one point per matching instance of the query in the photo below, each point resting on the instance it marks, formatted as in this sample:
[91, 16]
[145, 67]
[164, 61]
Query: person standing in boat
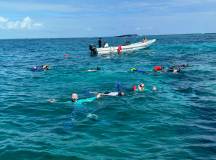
[99, 42]
[145, 40]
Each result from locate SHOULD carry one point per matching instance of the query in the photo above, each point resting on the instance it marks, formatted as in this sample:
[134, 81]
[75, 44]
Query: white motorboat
[121, 48]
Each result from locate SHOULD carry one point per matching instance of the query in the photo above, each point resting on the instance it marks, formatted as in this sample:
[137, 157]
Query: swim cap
[74, 96]
[157, 68]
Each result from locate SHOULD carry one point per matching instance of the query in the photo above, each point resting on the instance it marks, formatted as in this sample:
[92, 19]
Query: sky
[93, 18]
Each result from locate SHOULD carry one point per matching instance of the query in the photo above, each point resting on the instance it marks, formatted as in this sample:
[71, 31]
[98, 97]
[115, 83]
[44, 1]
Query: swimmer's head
[141, 85]
[121, 94]
[98, 68]
[45, 67]
[74, 97]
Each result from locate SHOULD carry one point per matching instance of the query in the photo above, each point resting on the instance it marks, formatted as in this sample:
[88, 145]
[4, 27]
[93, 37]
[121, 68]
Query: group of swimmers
[135, 88]
[45, 67]
[173, 69]
[139, 88]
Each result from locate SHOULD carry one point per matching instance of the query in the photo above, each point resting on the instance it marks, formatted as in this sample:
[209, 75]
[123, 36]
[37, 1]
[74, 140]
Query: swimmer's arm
[59, 101]
[89, 99]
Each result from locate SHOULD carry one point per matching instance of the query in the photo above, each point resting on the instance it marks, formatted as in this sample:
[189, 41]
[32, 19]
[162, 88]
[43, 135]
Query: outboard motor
[93, 50]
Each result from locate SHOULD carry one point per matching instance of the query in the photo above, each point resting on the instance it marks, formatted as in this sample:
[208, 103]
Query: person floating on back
[112, 94]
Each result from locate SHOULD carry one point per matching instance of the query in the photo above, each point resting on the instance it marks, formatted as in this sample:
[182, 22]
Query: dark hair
[120, 93]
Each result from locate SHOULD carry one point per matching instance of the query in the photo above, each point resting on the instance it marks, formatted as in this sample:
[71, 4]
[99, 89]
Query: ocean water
[176, 122]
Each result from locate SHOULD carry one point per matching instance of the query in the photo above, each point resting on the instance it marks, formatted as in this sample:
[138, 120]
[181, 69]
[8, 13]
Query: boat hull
[126, 48]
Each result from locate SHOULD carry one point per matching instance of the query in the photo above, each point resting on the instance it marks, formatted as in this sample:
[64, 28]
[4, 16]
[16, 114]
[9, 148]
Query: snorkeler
[174, 69]
[177, 68]
[40, 68]
[137, 70]
[94, 69]
[45, 67]
[75, 99]
[112, 94]
[79, 111]
[158, 68]
[140, 87]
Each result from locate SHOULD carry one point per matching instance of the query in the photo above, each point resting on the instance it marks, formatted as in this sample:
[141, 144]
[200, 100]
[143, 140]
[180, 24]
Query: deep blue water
[176, 122]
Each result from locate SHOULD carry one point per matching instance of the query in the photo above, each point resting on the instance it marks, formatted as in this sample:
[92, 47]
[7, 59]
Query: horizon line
[168, 34]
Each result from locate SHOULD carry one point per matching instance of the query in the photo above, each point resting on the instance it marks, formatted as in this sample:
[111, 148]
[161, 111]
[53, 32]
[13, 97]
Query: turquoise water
[176, 122]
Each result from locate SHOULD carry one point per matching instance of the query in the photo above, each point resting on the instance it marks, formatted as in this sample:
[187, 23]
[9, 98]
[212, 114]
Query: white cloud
[25, 23]
[40, 6]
